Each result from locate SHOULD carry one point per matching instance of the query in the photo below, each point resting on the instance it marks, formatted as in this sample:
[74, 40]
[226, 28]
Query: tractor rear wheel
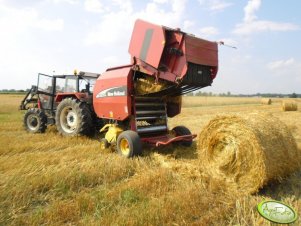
[73, 118]
[181, 131]
[35, 120]
[129, 144]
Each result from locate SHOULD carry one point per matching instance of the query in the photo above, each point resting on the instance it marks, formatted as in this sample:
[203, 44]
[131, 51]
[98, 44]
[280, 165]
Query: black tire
[129, 144]
[104, 144]
[181, 131]
[73, 118]
[35, 120]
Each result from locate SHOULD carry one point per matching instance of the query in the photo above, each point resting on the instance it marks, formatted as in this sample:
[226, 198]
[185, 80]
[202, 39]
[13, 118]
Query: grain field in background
[47, 179]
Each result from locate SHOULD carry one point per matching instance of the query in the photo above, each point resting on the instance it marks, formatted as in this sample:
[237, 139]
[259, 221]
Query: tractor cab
[50, 90]
[43, 100]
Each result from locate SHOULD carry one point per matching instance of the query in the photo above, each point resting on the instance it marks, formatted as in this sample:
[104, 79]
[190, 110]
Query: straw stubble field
[49, 179]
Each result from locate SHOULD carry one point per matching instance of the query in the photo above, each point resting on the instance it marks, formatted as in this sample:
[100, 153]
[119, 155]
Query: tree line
[229, 94]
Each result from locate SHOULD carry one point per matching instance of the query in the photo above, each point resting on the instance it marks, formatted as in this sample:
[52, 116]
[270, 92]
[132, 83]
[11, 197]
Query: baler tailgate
[200, 51]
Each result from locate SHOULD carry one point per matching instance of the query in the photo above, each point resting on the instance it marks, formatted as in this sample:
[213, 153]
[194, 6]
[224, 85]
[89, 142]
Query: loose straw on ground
[248, 151]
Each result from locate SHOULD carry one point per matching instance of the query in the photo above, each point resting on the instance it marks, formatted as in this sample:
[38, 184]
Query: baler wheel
[180, 131]
[73, 118]
[35, 120]
[104, 144]
[129, 144]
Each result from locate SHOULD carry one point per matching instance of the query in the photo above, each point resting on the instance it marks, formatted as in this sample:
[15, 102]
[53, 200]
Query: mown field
[47, 179]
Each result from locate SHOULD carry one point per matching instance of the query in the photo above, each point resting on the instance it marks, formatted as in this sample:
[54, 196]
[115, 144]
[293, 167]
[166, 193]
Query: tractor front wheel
[35, 120]
[73, 118]
[181, 131]
[129, 144]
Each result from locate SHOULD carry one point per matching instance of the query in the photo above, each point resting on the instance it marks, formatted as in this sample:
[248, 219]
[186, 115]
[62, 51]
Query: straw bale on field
[149, 85]
[248, 151]
[289, 106]
[266, 101]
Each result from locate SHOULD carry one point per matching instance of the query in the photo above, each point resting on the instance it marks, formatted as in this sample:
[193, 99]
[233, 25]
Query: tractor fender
[79, 96]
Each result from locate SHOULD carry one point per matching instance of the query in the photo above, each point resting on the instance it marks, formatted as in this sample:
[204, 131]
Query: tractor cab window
[70, 84]
[45, 86]
[60, 85]
[86, 82]
[45, 83]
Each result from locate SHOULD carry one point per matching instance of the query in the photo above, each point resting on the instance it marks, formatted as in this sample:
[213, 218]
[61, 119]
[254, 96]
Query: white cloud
[215, 5]
[20, 56]
[50, 25]
[116, 25]
[161, 1]
[252, 25]
[288, 70]
[94, 6]
[250, 9]
[111, 30]
[219, 5]
[123, 5]
[173, 16]
[281, 64]
[188, 24]
[208, 31]
[263, 25]
[72, 2]
[24, 19]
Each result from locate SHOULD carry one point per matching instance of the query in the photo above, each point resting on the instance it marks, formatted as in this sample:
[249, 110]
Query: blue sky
[92, 35]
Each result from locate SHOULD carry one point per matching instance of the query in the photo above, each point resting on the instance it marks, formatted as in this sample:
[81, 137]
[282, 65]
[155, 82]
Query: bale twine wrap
[289, 105]
[247, 151]
[266, 101]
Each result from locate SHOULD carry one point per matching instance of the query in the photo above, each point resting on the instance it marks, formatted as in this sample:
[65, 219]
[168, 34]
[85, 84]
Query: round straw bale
[247, 151]
[289, 105]
[266, 101]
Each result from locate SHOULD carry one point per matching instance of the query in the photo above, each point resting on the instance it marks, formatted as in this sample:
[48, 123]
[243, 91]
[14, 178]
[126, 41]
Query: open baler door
[177, 61]
[147, 43]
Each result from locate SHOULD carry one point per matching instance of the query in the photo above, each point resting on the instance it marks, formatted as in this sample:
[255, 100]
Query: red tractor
[64, 100]
[130, 104]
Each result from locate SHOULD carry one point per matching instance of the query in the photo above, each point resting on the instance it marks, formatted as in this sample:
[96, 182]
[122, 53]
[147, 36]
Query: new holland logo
[112, 92]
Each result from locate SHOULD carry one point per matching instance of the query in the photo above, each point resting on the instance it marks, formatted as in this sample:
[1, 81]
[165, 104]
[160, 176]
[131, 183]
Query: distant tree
[293, 95]
[190, 94]
[198, 93]
[228, 93]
